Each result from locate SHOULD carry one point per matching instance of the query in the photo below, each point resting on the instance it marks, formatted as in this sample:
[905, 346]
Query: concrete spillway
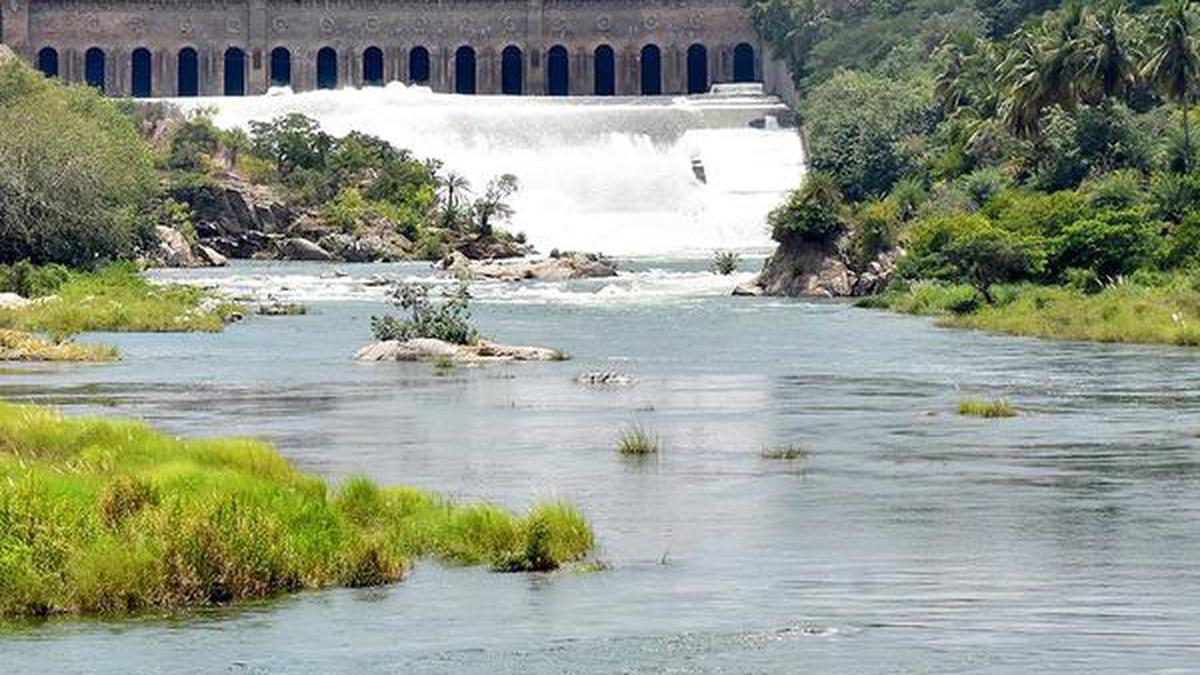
[620, 175]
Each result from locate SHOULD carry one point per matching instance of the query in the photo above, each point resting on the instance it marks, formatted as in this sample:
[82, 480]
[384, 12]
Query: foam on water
[599, 174]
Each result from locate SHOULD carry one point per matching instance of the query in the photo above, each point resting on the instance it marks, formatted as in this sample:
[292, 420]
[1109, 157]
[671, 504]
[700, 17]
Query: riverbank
[118, 299]
[19, 346]
[112, 517]
[1166, 313]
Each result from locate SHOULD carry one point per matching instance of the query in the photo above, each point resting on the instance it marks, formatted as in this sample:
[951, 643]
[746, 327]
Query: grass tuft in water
[987, 409]
[637, 441]
[108, 517]
[785, 453]
[20, 346]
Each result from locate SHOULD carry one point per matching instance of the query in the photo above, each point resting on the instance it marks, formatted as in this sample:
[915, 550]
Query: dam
[168, 48]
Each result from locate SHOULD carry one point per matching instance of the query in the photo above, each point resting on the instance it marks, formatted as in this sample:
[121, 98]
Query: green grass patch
[1164, 312]
[107, 517]
[119, 299]
[987, 409]
[637, 441]
[18, 346]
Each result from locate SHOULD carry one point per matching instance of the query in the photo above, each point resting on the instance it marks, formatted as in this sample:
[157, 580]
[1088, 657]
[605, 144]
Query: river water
[910, 540]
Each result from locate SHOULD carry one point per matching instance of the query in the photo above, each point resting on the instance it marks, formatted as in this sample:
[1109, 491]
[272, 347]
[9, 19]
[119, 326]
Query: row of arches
[512, 69]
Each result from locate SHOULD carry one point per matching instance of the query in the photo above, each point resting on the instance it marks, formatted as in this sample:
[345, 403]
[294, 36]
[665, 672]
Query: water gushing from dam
[628, 176]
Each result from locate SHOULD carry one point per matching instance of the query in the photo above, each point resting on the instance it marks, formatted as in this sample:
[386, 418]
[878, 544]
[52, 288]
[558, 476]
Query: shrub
[30, 281]
[1117, 190]
[813, 213]
[637, 441]
[874, 232]
[448, 320]
[724, 262]
[983, 184]
[970, 249]
[345, 210]
[1111, 244]
[1174, 195]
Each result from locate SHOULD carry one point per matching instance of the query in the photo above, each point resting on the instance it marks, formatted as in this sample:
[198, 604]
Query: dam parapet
[164, 48]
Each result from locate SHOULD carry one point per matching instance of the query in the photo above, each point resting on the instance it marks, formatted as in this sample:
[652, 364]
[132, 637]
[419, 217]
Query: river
[911, 540]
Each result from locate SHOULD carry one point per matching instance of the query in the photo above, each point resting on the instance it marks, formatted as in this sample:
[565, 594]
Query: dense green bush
[812, 213]
[76, 179]
[1110, 244]
[448, 320]
[27, 280]
[971, 249]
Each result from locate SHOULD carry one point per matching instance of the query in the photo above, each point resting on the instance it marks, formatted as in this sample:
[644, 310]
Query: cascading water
[626, 176]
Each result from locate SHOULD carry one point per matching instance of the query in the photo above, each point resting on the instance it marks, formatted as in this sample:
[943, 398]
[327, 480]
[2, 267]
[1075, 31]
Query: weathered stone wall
[62, 32]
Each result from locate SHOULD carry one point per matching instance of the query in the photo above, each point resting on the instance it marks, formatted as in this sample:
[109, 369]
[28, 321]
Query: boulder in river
[570, 265]
[12, 301]
[430, 349]
[299, 248]
[812, 269]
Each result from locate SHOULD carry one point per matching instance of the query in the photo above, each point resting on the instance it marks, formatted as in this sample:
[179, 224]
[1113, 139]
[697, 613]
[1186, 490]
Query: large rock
[429, 349]
[809, 269]
[173, 249]
[298, 248]
[566, 266]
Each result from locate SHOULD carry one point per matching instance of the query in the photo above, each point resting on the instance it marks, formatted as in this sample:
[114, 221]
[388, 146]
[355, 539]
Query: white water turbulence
[613, 175]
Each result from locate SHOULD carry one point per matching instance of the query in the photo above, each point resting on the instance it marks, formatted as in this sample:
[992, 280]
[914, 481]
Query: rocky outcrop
[429, 349]
[174, 250]
[822, 270]
[570, 265]
[299, 248]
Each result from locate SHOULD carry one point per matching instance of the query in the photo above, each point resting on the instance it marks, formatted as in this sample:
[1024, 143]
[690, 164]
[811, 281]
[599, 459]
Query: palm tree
[1108, 54]
[1173, 63]
[1042, 71]
[453, 187]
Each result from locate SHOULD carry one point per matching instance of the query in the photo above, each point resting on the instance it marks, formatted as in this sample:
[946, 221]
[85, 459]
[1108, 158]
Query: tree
[77, 181]
[1042, 71]
[1173, 64]
[494, 204]
[1109, 55]
[452, 187]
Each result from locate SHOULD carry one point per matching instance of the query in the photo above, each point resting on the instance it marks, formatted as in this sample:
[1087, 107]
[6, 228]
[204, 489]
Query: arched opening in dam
[94, 67]
[140, 82]
[651, 67]
[512, 71]
[604, 71]
[464, 70]
[281, 67]
[697, 69]
[327, 68]
[558, 74]
[743, 63]
[372, 67]
[47, 61]
[187, 75]
[418, 65]
[235, 72]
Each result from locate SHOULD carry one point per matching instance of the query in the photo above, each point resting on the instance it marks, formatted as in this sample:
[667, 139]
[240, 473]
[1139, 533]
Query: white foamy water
[598, 174]
[306, 282]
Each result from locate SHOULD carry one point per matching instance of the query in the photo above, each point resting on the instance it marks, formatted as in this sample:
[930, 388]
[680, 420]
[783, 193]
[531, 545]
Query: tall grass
[637, 441]
[1164, 312]
[18, 346]
[111, 517]
[119, 299]
[987, 409]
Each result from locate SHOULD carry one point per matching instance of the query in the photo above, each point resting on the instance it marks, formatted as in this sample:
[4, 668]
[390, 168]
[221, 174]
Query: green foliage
[1111, 244]
[194, 145]
[724, 262]
[986, 409]
[856, 123]
[637, 441]
[875, 231]
[812, 213]
[30, 281]
[971, 249]
[108, 517]
[118, 298]
[76, 179]
[448, 320]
